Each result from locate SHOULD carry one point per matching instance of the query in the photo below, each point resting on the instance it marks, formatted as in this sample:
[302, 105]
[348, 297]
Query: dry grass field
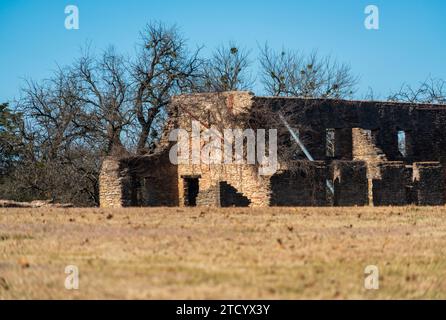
[176, 253]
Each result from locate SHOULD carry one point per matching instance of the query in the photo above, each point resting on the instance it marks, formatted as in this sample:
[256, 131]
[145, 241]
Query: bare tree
[106, 98]
[100, 105]
[288, 73]
[227, 70]
[51, 106]
[163, 67]
[55, 158]
[429, 91]
[104, 104]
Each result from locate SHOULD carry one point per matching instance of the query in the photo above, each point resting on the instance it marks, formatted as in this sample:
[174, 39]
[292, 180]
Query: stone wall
[424, 124]
[218, 111]
[244, 178]
[365, 149]
[429, 183]
[154, 180]
[305, 187]
[350, 183]
[365, 167]
[209, 197]
[230, 197]
[111, 184]
[390, 188]
[138, 181]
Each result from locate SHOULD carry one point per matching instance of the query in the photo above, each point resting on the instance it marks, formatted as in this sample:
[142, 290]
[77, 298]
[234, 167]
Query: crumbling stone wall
[210, 197]
[366, 166]
[222, 195]
[306, 187]
[219, 111]
[390, 188]
[424, 124]
[112, 184]
[138, 181]
[230, 197]
[428, 183]
[365, 149]
[244, 178]
[350, 183]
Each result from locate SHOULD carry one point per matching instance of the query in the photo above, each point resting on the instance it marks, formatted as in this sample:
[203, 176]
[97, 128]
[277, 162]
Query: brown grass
[290, 253]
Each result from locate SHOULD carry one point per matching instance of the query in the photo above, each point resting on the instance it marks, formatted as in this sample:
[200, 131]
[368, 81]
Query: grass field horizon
[231, 253]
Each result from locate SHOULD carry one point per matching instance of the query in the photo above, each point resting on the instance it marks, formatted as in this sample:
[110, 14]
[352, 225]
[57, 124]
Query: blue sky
[409, 46]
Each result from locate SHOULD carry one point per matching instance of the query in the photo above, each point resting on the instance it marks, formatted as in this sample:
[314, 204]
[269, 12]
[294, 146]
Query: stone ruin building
[370, 153]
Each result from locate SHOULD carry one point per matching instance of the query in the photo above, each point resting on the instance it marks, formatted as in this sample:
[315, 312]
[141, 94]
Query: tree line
[54, 137]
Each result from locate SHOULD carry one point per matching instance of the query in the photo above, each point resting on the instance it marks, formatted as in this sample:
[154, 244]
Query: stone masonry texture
[365, 167]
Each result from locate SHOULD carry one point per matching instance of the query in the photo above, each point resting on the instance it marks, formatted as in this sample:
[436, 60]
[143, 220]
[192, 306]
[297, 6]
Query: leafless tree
[288, 73]
[429, 91]
[52, 106]
[106, 98]
[163, 67]
[227, 70]
[100, 105]
[56, 159]
[104, 104]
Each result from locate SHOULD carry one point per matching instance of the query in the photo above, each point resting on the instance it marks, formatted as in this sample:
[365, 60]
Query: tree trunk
[142, 140]
[145, 130]
[115, 145]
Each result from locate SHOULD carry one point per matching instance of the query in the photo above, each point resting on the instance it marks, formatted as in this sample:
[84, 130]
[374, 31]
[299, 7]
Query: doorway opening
[191, 189]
